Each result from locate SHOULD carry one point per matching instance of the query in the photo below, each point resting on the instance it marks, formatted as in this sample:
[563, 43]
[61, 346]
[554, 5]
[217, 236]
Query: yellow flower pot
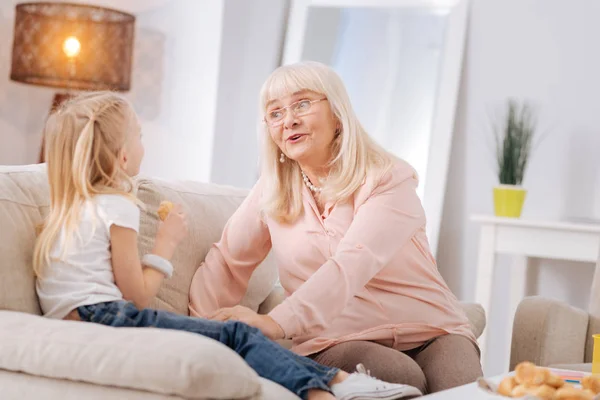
[508, 200]
[596, 355]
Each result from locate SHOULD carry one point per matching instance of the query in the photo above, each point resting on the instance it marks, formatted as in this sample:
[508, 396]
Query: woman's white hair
[354, 154]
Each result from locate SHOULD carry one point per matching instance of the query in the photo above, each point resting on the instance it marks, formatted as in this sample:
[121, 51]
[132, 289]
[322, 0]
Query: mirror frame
[447, 89]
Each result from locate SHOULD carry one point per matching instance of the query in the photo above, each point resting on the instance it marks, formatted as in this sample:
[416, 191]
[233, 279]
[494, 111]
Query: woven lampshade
[72, 46]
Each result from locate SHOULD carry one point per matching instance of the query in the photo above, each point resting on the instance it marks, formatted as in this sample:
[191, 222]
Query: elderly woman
[347, 229]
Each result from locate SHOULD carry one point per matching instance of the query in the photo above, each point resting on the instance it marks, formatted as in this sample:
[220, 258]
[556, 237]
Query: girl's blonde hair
[354, 154]
[83, 143]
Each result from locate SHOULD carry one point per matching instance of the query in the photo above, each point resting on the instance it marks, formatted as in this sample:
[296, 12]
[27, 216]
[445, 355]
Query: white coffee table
[473, 392]
[470, 392]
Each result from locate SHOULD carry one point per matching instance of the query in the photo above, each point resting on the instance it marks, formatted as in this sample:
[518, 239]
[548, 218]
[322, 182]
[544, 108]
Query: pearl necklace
[309, 184]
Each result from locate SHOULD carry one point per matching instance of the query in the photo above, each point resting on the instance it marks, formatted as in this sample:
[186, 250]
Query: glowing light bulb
[71, 47]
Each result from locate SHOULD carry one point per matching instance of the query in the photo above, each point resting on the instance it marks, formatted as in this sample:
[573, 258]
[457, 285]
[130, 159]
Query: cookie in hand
[164, 209]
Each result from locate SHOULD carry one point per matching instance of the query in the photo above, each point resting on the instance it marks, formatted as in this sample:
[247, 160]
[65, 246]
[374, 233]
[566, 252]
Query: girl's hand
[171, 232]
[266, 324]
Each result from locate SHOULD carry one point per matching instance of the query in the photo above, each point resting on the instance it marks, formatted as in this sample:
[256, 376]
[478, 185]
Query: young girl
[86, 258]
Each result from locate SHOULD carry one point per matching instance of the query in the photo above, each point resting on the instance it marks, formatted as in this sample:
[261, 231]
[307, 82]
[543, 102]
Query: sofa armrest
[274, 298]
[155, 360]
[476, 316]
[547, 332]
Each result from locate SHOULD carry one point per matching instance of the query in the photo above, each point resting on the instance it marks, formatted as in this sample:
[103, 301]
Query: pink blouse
[362, 270]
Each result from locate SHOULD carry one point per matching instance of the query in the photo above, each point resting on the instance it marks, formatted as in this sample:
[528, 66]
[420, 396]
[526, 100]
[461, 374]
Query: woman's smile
[297, 137]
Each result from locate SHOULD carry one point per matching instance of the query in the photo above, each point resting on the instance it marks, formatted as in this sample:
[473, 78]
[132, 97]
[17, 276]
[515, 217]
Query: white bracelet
[158, 263]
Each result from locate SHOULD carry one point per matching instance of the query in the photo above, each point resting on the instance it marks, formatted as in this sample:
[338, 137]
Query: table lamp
[73, 47]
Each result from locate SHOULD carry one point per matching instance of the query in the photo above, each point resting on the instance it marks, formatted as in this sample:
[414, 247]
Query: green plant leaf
[514, 138]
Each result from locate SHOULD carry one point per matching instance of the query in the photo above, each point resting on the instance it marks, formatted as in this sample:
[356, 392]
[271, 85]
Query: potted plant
[513, 149]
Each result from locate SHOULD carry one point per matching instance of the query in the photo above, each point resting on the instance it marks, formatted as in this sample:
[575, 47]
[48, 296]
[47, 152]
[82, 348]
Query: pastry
[507, 385]
[520, 391]
[542, 383]
[526, 373]
[572, 393]
[551, 379]
[164, 209]
[544, 392]
[591, 382]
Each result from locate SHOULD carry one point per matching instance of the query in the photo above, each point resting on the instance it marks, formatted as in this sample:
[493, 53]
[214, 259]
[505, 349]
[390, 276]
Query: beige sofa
[549, 332]
[49, 359]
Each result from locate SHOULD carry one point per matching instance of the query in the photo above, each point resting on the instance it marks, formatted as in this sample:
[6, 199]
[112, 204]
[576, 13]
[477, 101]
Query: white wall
[174, 87]
[322, 34]
[175, 93]
[542, 50]
[251, 46]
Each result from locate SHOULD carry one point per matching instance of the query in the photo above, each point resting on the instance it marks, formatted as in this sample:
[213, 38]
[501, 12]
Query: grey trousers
[442, 363]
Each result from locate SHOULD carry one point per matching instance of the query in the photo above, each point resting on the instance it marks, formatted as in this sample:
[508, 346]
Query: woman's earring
[282, 158]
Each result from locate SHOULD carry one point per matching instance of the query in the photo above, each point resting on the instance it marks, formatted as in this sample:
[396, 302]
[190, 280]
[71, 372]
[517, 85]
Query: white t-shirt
[85, 275]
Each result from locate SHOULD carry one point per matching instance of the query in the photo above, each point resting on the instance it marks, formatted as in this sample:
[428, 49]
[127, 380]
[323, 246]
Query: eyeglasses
[299, 108]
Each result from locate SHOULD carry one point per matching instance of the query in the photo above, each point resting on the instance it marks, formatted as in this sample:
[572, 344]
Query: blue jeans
[271, 361]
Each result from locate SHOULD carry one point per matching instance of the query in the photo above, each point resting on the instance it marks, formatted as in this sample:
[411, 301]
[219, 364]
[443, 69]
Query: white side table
[526, 238]
[472, 391]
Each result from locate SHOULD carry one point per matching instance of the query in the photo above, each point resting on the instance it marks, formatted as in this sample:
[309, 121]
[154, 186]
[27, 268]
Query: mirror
[400, 61]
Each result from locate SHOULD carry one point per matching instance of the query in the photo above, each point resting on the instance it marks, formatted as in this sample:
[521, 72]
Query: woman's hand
[266, 324]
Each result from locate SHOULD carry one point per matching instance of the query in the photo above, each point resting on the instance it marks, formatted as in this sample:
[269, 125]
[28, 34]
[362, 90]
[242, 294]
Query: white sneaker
[362, 386]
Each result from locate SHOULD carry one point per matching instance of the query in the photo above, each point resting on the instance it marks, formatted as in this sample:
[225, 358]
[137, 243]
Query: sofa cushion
[155, 360]
[208, 208]
[271, 390]
[21, 386]
[16, 385]
[476, 316]
[24, 202]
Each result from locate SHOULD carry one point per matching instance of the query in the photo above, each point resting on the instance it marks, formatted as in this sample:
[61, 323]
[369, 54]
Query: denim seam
[330, 375]
[106, 317]
[318, 371]
[314, 383]
[313, 364]
[319, 368]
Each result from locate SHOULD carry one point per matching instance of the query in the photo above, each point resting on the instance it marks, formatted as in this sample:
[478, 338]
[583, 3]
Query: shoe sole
[381, 395]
